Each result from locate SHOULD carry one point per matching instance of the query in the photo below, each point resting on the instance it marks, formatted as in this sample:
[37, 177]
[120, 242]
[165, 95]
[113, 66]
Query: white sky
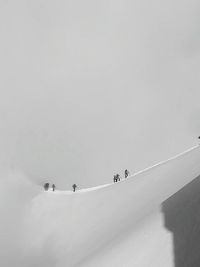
[89, 88]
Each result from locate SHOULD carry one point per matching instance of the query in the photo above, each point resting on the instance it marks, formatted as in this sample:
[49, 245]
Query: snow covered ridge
[67, 228]
[131, 176]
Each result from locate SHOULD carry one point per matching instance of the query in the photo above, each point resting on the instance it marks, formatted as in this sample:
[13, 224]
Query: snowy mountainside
[66, 228]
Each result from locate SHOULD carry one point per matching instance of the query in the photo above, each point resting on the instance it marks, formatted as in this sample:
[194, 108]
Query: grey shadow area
[182, 219]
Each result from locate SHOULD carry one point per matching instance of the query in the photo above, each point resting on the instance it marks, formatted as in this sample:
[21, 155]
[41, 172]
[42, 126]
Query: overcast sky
[89, 88]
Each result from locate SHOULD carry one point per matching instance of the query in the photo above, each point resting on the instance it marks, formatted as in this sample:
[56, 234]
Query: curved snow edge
[84, 190]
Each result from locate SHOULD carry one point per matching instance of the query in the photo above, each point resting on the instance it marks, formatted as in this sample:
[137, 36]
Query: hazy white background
[89, 88]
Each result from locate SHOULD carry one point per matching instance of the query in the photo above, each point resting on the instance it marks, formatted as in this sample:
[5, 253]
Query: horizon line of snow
[165, 161]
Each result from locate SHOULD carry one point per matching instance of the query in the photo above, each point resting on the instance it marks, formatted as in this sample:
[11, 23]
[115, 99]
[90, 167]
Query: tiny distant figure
[53, 187]
[74, 187]
[46, 186]
[199, 137]
[126, 173]
[116, 178]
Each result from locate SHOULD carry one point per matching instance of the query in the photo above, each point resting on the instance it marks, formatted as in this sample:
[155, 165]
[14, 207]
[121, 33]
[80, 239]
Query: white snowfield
[114, 225]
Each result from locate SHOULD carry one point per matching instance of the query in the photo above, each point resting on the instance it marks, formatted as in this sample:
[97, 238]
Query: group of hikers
[47, 187]
[116, 179]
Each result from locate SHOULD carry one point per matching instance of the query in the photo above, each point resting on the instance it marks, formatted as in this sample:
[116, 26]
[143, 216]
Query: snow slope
[83, 228]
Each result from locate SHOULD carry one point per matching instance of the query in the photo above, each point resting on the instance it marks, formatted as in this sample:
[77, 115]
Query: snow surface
[111, 225]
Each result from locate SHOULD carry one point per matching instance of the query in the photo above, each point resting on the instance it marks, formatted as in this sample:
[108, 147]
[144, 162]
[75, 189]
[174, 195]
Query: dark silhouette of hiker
[74, 187]
[118, 177]
[126, 173]
[53, 187]
[46, 186]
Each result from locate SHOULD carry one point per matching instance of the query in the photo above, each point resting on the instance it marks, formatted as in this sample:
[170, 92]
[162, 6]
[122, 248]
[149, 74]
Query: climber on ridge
[126, 173]
[116, 178]
[46, 186]
[74, 186]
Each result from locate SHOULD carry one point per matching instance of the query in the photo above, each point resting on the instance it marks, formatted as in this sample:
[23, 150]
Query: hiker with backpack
[53, 187]
[126, 173]
[74, 186]
[46, 186]
[116, 178]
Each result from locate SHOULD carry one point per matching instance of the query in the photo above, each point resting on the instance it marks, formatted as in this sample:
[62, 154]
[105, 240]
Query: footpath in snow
[130, 176]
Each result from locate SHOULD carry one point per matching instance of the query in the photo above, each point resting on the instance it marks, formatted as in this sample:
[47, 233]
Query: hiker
[74, 187]
[126, 173]
[53, 187]
[115, 178]
[46, 186]
[118, 177]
